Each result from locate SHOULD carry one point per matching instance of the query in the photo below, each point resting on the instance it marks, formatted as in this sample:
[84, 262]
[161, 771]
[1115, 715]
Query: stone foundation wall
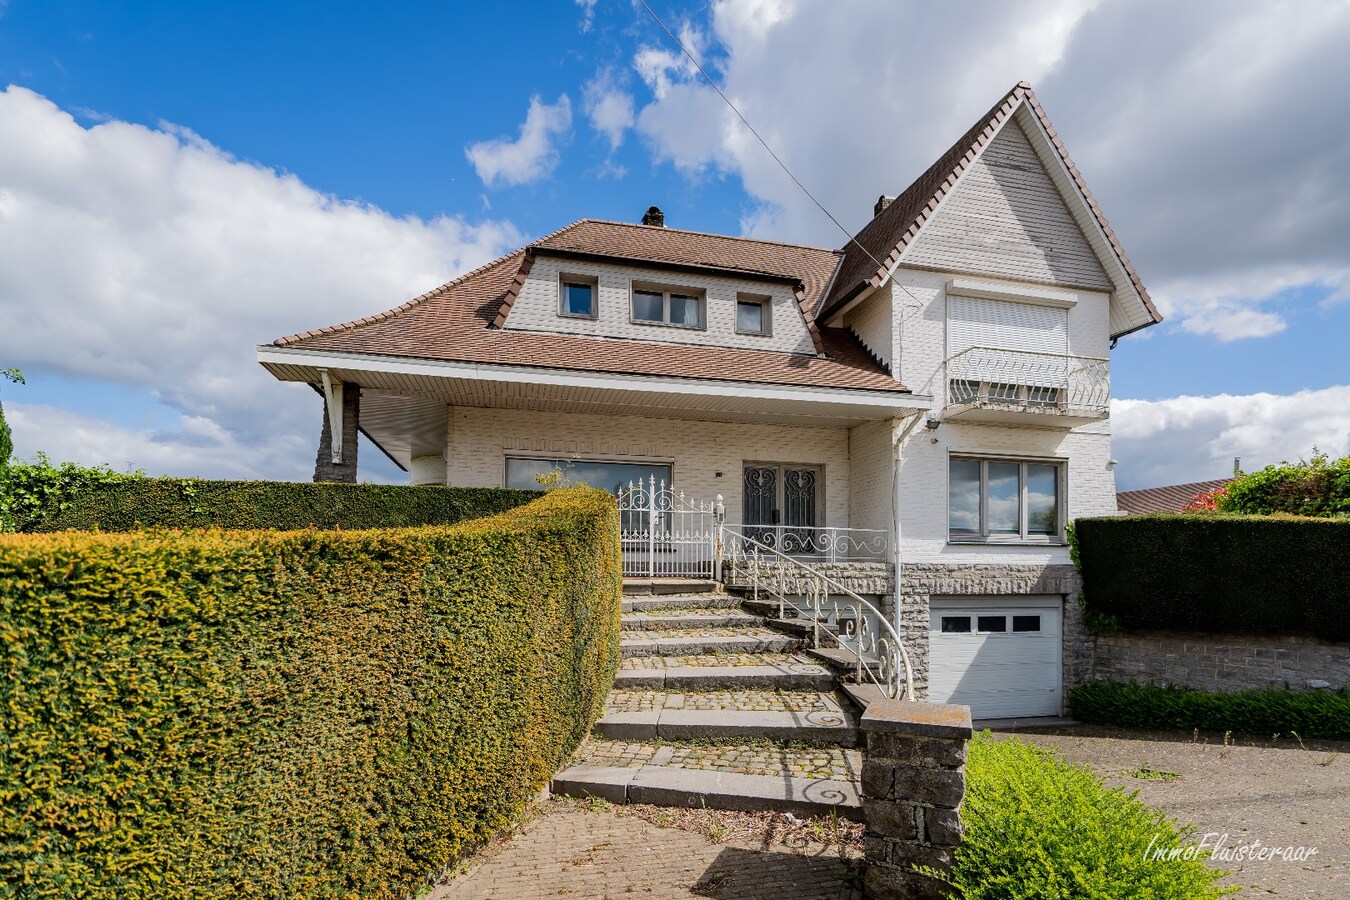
[866, 578]
[1222, 662]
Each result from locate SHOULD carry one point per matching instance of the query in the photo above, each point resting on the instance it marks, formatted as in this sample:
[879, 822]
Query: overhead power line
[763, 143]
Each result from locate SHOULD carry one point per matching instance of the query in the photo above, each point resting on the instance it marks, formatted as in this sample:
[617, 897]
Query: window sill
[669, 325]
[591, 318]
[1006, 542]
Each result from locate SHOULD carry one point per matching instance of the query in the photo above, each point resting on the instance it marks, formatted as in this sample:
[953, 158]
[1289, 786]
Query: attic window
[679, 307]
[577, 296]
[752, 314]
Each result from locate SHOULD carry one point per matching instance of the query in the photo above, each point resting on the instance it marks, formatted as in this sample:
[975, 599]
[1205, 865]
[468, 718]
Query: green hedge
[1217, 573]
[1037, 827]
[123, 503]
[1320, 714]
[302, 714]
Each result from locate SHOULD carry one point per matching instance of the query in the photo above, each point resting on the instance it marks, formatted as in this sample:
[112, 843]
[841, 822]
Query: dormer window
[752, 314]
[678, 307]
[578, 297]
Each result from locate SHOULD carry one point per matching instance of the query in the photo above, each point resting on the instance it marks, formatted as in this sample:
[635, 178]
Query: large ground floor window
[1005, 500]
[531, 473]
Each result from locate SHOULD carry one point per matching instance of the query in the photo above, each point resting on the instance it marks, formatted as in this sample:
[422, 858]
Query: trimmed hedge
[1217, 573]
[1037, 827]
[316, 714]
[1319, 714]
[129, 503]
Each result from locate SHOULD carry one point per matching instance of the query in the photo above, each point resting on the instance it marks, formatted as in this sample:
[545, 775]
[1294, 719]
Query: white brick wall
[871, 483]
[536, 308]
[872, 323]
[479, 441]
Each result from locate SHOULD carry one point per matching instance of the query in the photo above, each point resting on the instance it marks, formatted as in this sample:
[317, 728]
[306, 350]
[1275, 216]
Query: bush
[44, 498]
[1217, 573]
[1309, 714]
[1037, 827]
[32, 492]
[303, 714]
[1316, 487]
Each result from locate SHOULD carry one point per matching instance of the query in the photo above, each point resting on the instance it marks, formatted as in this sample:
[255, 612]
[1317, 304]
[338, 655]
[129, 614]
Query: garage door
[998, 655]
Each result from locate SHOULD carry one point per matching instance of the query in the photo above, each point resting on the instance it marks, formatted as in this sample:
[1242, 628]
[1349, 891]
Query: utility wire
[765, 144]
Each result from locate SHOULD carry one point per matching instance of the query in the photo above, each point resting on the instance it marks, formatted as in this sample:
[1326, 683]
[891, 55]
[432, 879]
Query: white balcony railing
[1047, 383]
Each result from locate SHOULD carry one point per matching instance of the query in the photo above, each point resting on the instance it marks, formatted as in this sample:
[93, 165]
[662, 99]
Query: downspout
[900, 430]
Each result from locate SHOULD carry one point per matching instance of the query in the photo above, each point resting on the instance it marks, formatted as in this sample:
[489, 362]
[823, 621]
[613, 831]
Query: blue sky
[188, 180]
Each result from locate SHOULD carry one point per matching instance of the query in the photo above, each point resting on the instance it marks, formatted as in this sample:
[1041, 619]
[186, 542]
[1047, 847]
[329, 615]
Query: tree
[6, 444]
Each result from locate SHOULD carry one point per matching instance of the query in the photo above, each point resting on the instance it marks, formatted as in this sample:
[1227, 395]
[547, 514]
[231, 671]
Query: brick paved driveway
[571, 851]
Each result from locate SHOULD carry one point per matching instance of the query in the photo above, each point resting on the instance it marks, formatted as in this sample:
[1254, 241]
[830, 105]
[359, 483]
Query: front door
[781, 506]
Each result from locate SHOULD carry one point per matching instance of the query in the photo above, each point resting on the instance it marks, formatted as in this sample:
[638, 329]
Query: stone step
[679, 601]
[657, 586]
[800, 676]
[748, 714]
[664, 620]
[697, 642]
[694, 789]
[840, 660]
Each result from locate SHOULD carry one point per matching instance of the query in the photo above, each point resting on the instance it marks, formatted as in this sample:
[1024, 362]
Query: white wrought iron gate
[665, 534]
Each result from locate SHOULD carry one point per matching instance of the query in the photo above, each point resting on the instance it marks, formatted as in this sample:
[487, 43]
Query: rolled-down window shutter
[1026, 345]
[1005, 325]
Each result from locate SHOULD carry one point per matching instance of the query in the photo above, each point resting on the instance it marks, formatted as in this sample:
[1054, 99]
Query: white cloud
[1185, 439]
[1207, 130]
[609, 107]
[587, 14]
[151, 258]
[530, 157]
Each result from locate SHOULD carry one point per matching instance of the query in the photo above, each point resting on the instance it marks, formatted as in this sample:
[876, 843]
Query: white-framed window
[674, 306]
[578, 296]
[526, 472]
[1005, 500]
[753, 314]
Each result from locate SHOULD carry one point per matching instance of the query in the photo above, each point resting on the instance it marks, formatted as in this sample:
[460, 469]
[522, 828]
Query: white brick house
[956, 349]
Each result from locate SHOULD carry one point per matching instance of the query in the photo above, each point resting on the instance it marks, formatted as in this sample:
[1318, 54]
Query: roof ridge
[728, 237]
[402, 307]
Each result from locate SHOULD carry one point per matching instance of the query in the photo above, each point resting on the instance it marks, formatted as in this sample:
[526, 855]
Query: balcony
[1019, 387]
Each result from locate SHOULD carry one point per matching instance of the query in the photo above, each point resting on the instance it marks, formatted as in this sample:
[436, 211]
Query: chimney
[882, 202]
[654, 216]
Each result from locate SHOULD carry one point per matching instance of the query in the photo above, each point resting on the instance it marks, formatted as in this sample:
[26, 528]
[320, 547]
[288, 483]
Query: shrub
[302, 714]
[45, 498]
[1320, 714]
[32, 492]
[1315, 487]
[1217, 573]
[1037, 827]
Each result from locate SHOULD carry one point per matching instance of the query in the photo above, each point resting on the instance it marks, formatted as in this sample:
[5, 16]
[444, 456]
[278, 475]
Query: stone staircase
[719, 705]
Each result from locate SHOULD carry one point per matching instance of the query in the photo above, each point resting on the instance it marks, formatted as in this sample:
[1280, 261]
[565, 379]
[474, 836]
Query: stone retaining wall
[1222, 662]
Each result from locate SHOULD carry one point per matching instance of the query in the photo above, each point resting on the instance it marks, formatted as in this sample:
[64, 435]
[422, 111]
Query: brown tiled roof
[885, 238]
[455, 321]
[1173, 498]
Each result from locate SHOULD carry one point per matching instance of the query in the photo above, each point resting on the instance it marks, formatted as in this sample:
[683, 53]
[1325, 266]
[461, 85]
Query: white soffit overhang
[527, 387]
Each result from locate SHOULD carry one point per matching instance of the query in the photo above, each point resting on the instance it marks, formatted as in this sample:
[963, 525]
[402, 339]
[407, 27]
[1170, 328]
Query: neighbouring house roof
[460, 321]
[879, 245]
[1172, 498]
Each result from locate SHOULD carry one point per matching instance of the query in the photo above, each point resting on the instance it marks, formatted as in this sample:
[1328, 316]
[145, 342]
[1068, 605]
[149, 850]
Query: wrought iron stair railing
[831, 611]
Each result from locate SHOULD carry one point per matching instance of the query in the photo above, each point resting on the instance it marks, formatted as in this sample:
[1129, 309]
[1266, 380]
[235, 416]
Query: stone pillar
[324, 467]
[428, 469]
[913, 781]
